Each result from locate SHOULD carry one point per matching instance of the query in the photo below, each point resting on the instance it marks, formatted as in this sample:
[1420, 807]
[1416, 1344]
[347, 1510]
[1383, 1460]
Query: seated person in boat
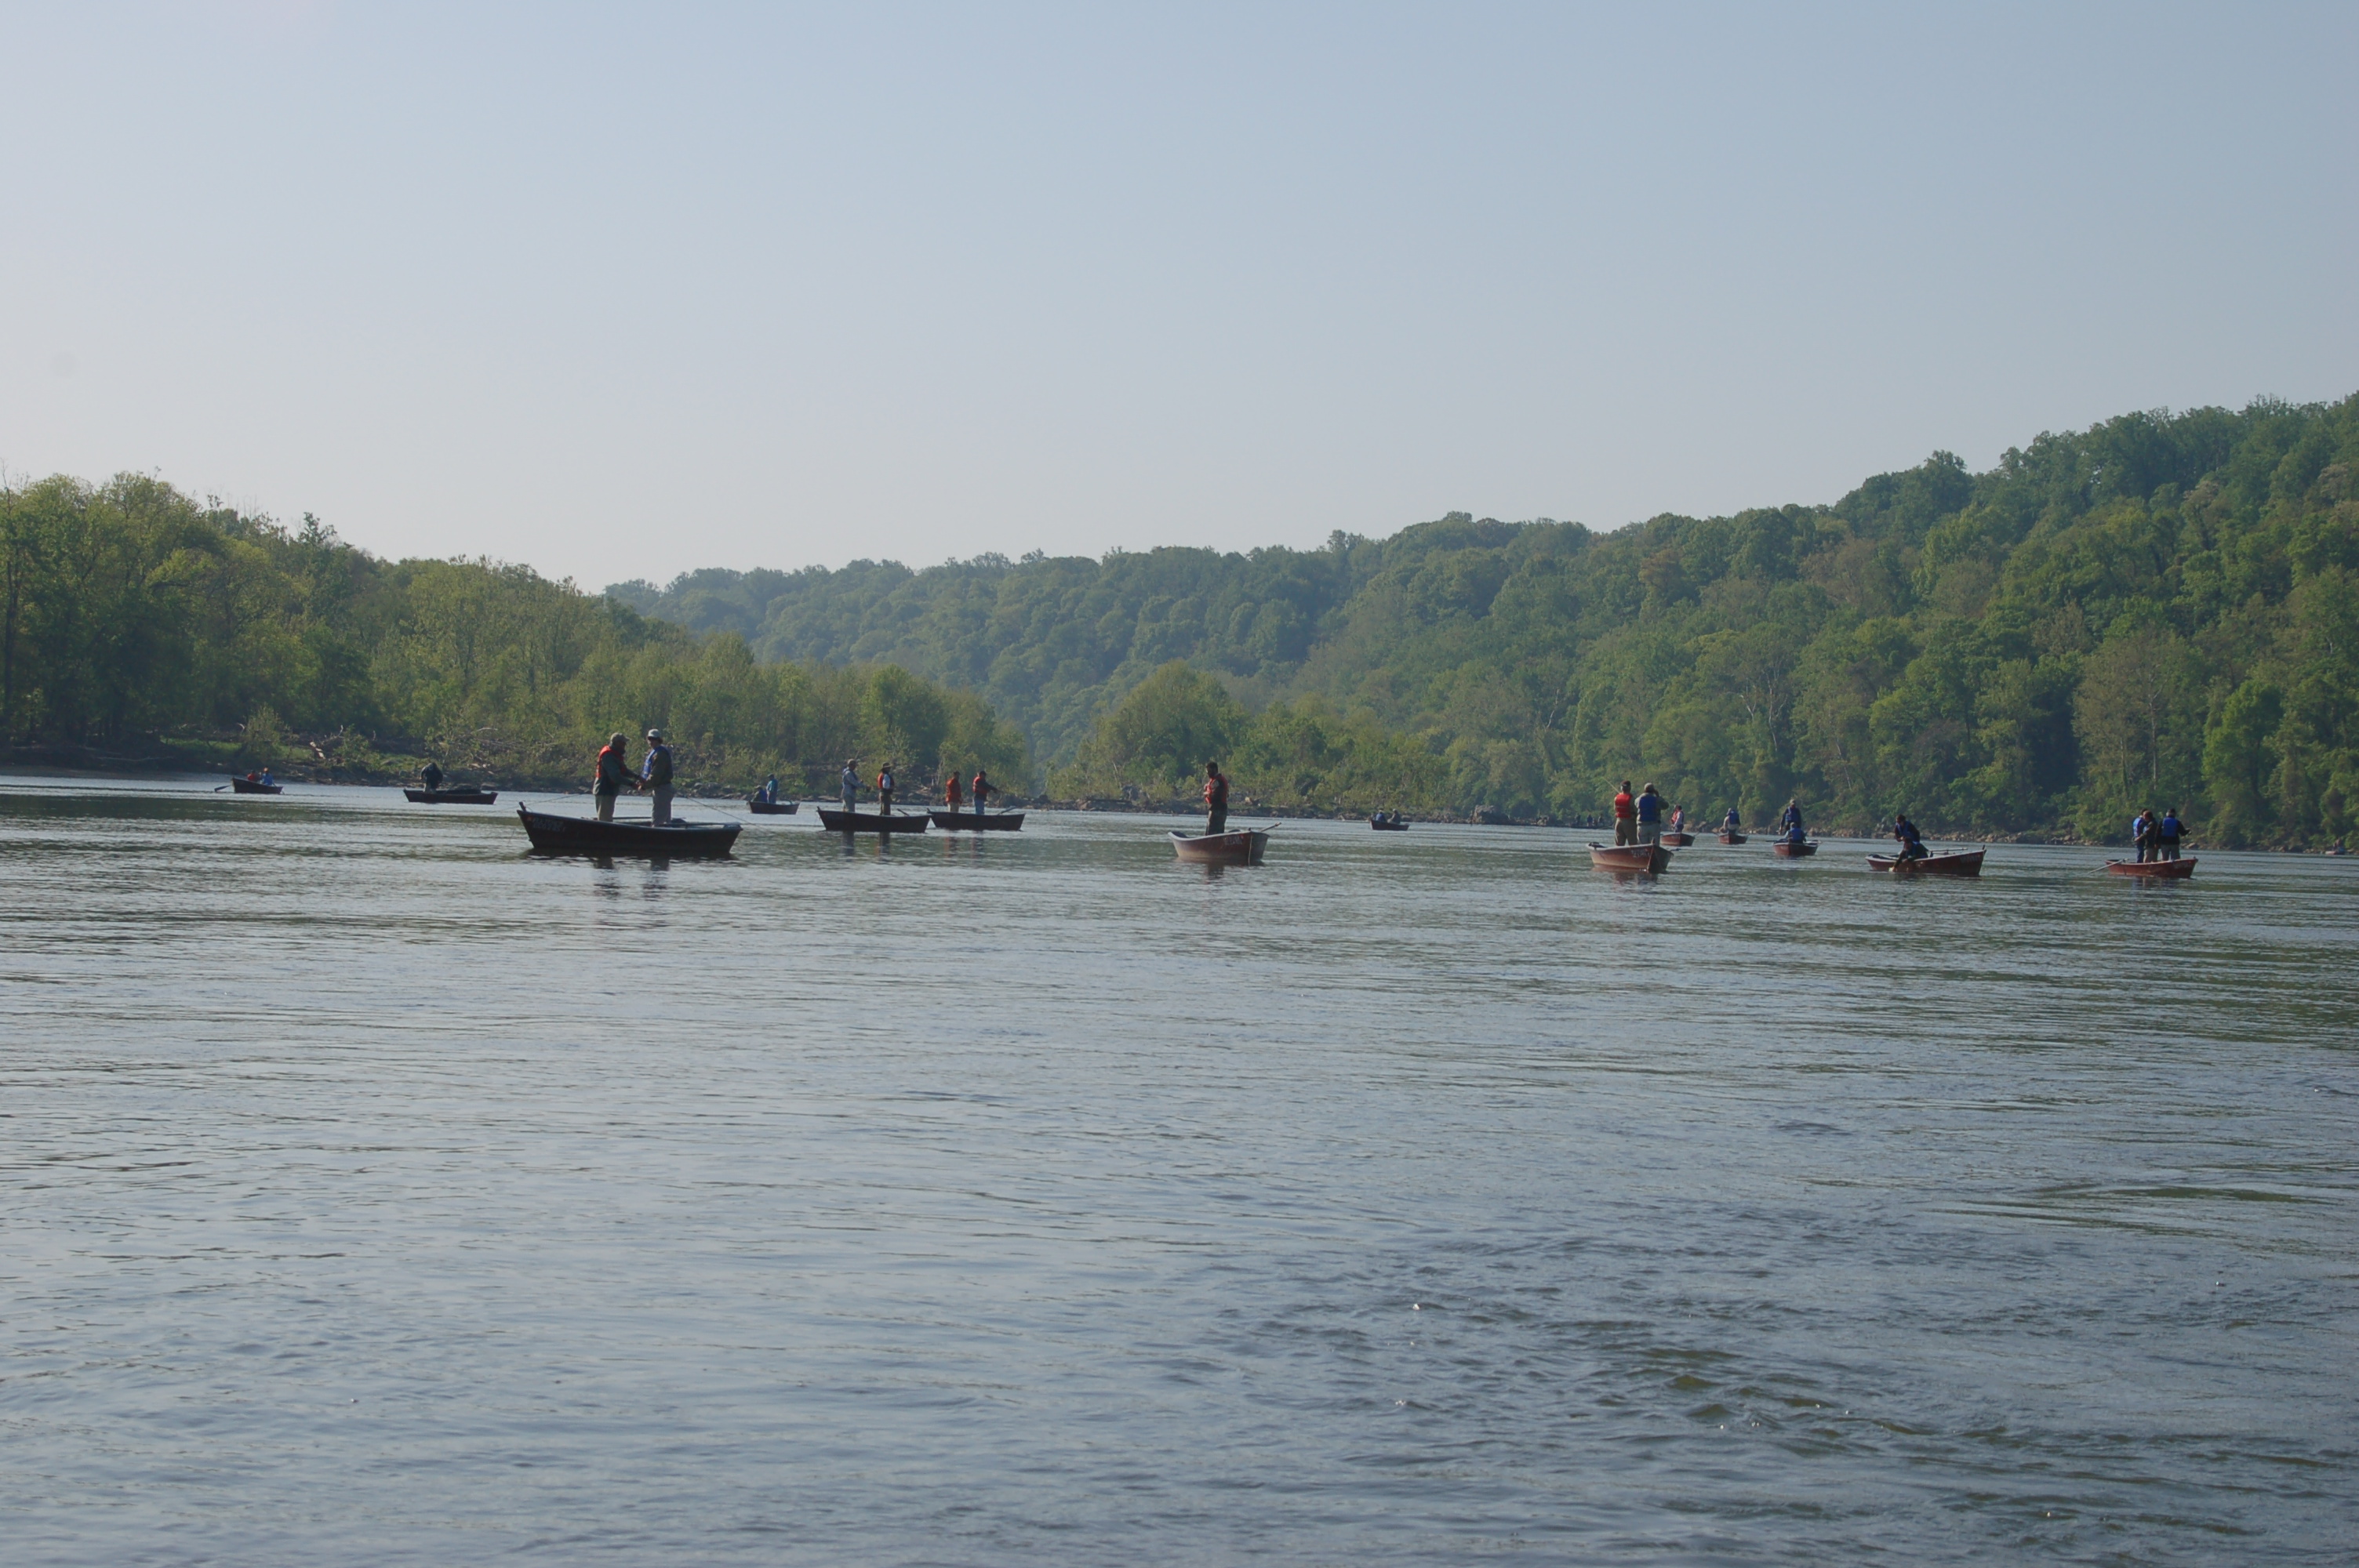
[1731, 823]
[1649, 807]
[430, 775]
[1216, 799]
[614, 772]
[1789, 824]
[1912, 843]
[951, 793]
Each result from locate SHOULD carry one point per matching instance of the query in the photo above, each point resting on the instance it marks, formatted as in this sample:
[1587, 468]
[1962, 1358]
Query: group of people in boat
[2158, 838]
[980, 789]
[653, 776]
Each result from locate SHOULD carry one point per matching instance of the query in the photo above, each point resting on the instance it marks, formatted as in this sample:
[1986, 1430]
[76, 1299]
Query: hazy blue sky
[623, 291]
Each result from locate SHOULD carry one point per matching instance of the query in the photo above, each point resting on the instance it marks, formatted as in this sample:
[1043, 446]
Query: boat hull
[1244, 848]
[1965, 864]
[1679, 841]
[1383, 825]
[1731, 838]
[2160, 870]
[870, 822]
[1792, 850]
[773, 807]
[977, 822]
[554, 835]
[250, 787]
[1639, 860]
[451, 796]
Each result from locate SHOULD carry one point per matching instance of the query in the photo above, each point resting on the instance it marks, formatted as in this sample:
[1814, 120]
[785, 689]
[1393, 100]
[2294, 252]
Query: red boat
[1242, 848]
[1731, 838]
[1791, 849]
[1679, 841]
[1964, 863]
[1641, 860]
[2163, 869]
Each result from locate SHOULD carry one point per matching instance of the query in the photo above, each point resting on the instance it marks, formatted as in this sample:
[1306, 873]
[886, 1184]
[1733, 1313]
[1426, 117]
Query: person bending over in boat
[655, 777]
[1912, 843]
[1216, 799]
[1650, 814]
[430, 775]
[1625, 816]
[885, 790]
[980, 788]
[1790, 826]
[950, 794]
[614, 773]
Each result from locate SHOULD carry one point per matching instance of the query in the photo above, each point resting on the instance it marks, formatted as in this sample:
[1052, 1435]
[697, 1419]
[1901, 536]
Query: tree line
[136, 622]
[2161, 610]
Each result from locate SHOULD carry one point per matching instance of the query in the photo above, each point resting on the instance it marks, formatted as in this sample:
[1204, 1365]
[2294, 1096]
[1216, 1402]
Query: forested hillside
[2163, 609]
[135, 624]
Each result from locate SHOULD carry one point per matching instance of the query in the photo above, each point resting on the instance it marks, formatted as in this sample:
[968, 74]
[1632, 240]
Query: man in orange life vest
[1625, 816]
[951, 793]
[1216, 799]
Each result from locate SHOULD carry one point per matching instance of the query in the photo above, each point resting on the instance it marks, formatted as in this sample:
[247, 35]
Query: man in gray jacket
[655, 777]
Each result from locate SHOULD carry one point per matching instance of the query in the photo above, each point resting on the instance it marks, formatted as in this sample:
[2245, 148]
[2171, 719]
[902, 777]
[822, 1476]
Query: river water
[371, 1192]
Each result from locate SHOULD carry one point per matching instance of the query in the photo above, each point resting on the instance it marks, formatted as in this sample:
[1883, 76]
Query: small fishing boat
[253, 786]
[1792, 850]
[1645, 859]
[1963, 863]
[771, 807]
[1727, 837]
[1679, 841]
[552, 834]
[1389, 822]
[977, 821]
[471, 795]
[1241, 847]
[2163, 869]
[872, 822]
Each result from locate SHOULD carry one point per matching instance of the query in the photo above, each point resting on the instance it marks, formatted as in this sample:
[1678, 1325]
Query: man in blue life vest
[1650, 815]
[614, 773]
[1790, 826]
[1731, 823]
[1216, 799]
[655, 777]
[2167, 833]
[1912, 843]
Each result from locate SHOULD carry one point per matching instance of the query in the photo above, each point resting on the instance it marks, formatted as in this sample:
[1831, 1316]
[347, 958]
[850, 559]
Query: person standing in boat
[1790, 826]
[849, 782]
[768, 794]
[430, 775]
[655, 777]
[885, 790]
[951, 793]
[1912, 843]
[1678, 819]
[614, 773]
[980, 788]
[1649, 806]
[1731, 823]
[1625, 816]
[2142, 835]
[2166, 835]
[1216, 799]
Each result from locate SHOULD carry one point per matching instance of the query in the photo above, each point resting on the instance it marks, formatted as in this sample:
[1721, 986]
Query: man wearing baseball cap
[655, 777]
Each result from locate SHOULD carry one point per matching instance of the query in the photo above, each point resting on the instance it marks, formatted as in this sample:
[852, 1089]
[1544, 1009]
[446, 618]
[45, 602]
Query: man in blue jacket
[655, 777]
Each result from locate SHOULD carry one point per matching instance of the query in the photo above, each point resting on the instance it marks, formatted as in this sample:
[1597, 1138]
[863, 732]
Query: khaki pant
[606, 806]
[663, 804]
[1625, 830]
[1649, 831]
